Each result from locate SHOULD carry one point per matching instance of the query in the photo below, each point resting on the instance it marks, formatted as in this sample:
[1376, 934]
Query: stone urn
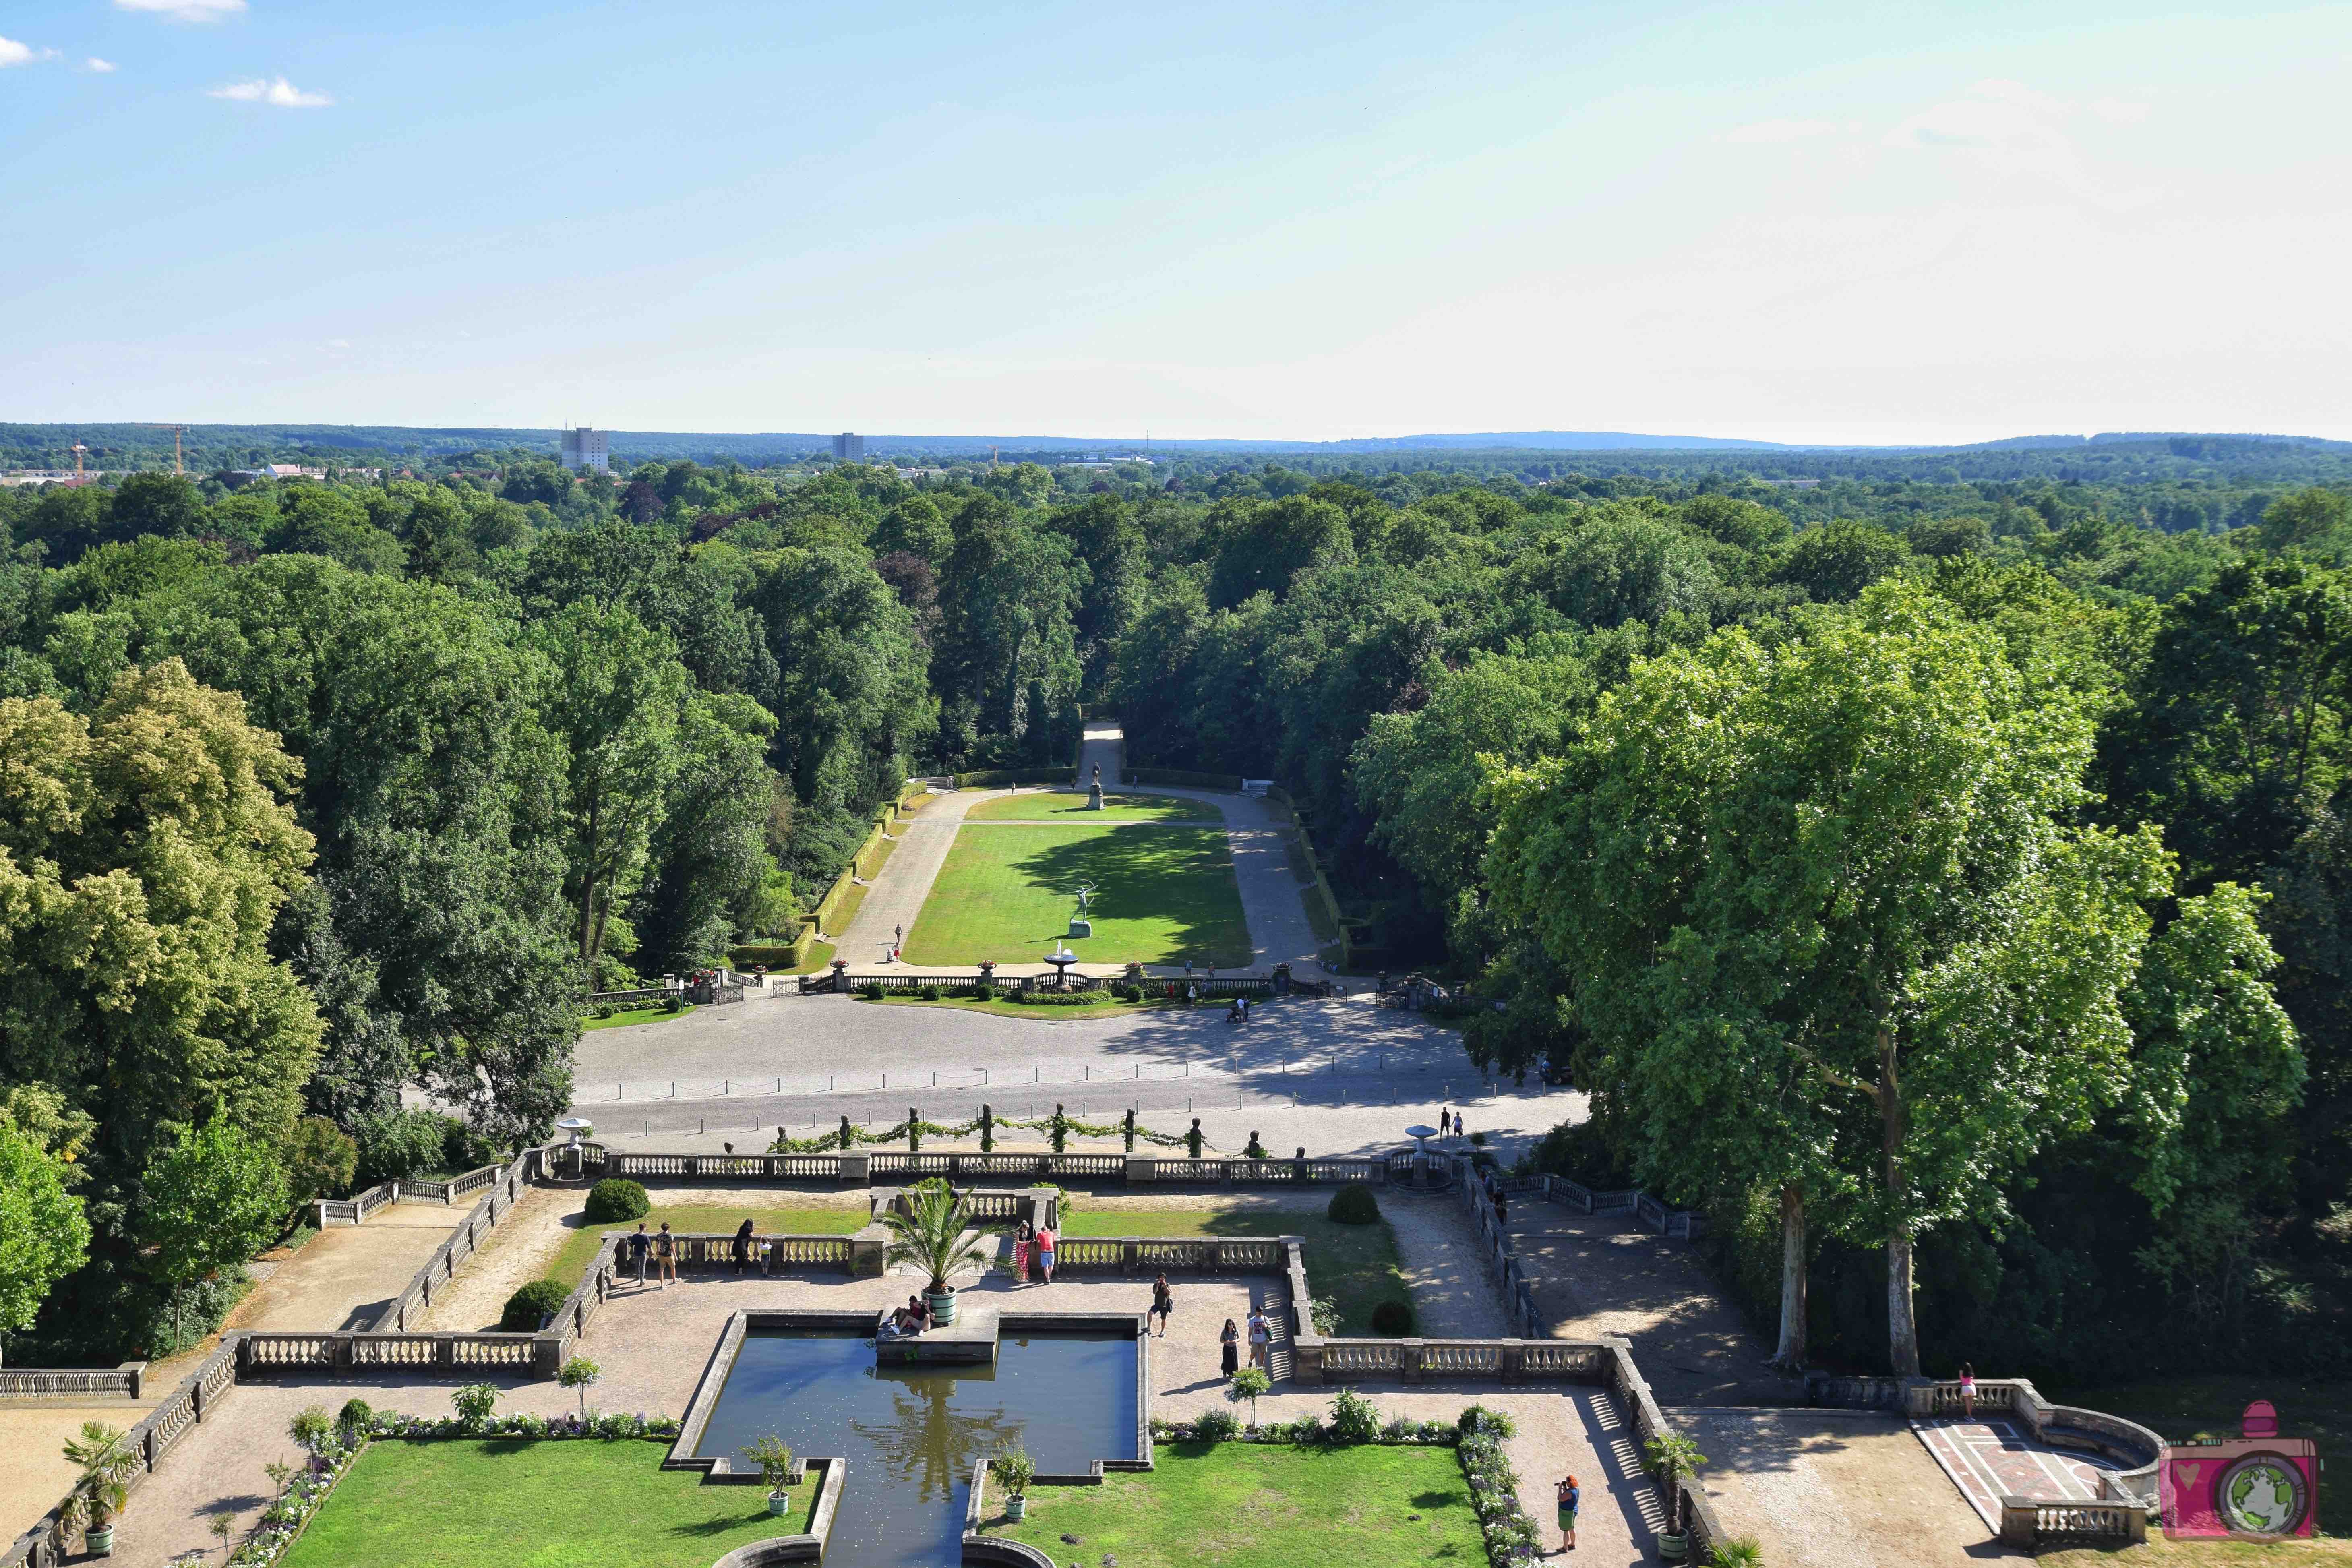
[943, 1304]
[1016, 1508]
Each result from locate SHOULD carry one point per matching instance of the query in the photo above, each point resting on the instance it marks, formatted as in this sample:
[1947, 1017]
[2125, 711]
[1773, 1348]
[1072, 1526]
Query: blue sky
[1807, 221]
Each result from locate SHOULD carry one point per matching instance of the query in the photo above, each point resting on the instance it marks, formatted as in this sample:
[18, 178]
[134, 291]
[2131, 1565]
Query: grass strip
[1253, 1505]
[499, 1502]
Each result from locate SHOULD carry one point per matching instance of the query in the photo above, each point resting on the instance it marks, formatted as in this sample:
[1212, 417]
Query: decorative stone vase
[1016, 1508]
[942, 1307]
[778, 1502]
[99, 1540]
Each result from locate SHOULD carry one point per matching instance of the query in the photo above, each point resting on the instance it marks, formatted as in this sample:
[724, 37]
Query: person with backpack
[666, 1255]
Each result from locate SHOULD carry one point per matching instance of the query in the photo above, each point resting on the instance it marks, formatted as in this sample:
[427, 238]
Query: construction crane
[177, 465]
[79, 450]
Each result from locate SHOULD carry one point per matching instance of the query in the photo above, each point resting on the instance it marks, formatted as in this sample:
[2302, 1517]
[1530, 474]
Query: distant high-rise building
[585, 449]
[848, 448]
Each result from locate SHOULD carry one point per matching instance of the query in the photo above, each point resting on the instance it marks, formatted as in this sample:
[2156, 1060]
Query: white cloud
[2119, 111]
[279, 91]
[13, 53]
[1999, 115]
[184, 10]
[1783, 130]
[338, 342]
[100, 66]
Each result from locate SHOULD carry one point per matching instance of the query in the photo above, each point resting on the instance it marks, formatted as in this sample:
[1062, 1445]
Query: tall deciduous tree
[210, 1201]
[44, 1233]
[613, 700]
[1853, 911]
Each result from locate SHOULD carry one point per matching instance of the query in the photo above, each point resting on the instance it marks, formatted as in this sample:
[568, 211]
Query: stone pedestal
[1094, 796]
[869, 1249]
[1081, 928]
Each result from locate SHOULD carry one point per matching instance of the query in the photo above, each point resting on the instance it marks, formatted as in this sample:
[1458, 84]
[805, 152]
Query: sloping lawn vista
[1163, 895]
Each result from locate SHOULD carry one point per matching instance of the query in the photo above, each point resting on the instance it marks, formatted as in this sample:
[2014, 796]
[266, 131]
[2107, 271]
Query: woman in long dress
[1021, 1244]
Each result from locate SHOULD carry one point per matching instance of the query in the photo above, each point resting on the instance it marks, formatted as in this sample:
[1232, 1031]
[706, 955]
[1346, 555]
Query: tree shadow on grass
[724, 1523]
[1181, 875]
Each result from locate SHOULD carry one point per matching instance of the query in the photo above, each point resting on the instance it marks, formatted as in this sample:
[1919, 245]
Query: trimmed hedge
[1181, 778]
[531, 1306]
[1006, 778]
[1354, 1205]
[616, 1198]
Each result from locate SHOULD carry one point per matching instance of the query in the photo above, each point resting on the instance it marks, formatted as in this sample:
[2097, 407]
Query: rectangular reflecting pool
[912, 1434]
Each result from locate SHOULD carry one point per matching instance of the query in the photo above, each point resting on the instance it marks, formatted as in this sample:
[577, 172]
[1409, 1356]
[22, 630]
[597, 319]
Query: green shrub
[616, 1198]
[871, 991]
[1354, 1418]
[1354, 1205]
[1478, 1140]
[355, 1416]
[474, 1403]
[1479, 1420]
[1023, 997]
[532, 1305]
[603, 1009]
[1216, 1425]
[985, 990]
[928, 992]
[1393, 1319]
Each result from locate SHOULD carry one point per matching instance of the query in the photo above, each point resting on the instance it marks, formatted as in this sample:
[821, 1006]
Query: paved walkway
[1605, 1275]
[1832, 1489]
[898, 889]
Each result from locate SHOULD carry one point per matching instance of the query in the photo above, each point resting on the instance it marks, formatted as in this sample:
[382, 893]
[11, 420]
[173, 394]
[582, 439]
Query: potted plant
[107, 1462]
[1013, 1471]
[932, 1235]
[1673, 1460]
[774, 1457]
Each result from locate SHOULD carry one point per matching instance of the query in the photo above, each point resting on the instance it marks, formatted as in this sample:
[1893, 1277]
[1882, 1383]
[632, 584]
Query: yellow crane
[177, 465]
[79, 450]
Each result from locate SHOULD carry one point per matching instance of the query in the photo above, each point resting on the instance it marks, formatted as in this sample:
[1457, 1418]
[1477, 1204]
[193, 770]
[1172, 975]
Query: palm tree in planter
[1673, 1460]
[931, 1235]
[107, 1462]
[774, 1457]
[1013, 1469]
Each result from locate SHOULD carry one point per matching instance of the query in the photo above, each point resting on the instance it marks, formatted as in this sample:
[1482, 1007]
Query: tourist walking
[1261, 1340]
[1445, 1121]
[1458, 1125]
[1968, 1390]
[1046, 1253]
[639, 1246]
[1163, 1301]
[1570, 1496]
[1023, 1240]
[742, 1247]
[1229, 1352]
[665, 1254]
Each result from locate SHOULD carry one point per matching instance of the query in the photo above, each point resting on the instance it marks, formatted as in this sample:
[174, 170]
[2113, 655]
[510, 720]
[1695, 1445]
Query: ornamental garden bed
[494, 1502]
[1263, 1505]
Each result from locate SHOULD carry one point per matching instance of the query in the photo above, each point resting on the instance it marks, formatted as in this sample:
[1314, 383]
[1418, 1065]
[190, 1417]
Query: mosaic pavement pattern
[1989, 1460]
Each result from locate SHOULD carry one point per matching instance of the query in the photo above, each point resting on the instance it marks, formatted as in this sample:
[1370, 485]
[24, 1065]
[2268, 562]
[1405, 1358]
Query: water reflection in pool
[911, 1435]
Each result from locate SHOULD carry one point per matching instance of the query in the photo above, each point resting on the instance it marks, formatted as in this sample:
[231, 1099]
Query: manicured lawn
[1249, 1505]
[690, 1219]
[1355, 1265]
[634, 1016]
[1164, 895]
[510, 1503]
[1034, 805]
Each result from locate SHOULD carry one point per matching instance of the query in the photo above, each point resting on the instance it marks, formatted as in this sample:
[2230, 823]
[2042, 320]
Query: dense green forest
[2017, 770]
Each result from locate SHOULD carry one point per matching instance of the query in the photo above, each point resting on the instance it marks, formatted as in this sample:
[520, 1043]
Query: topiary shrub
[984, 991]
[603, 1009]
[1393, 1319]
[531, 1306]
[1354, 1205]
[928, 992]
[871, 991]
[616, 1198]
[355, 1416]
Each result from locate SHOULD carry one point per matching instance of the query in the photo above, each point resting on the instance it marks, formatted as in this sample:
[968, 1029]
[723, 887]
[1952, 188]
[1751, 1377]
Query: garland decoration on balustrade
[1059, 1128]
